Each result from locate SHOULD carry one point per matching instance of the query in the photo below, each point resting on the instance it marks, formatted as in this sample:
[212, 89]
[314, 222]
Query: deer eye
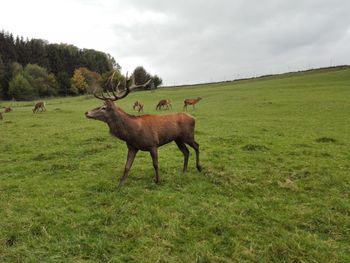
[103, 108]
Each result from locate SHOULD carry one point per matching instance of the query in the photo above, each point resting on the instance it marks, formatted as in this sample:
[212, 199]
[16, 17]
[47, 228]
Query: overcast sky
[191, 41]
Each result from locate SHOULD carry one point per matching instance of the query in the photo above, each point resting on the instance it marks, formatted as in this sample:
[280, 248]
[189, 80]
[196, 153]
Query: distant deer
[138, 105]
[164, 103]
[39, 105]
[145, 132]
[191, 102]
[7, 109]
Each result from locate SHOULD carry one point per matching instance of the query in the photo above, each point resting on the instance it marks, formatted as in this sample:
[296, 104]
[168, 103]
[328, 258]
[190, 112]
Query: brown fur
[164, 103]
[39, 105]
[147, 133]
[191, 102]
[8, 109]
[138, 105]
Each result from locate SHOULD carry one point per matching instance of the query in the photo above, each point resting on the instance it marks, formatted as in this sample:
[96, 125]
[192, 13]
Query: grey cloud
[213, 40]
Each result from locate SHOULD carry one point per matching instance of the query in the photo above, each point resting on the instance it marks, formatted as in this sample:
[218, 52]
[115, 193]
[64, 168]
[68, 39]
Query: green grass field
[275, 185]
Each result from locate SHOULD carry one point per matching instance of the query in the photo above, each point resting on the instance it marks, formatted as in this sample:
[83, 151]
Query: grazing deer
[191, 102]
[8, 109]
[164, 103]
[39, 105]
[139, 105]
[145, 132]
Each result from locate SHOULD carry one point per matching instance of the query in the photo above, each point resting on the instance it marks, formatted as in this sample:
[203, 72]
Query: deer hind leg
[131, 156]
[195, 146]
[185, 152]
[154, 155]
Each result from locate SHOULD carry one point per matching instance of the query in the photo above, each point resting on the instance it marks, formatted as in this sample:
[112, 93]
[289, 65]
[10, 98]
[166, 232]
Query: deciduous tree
[20, 88]
[79, 84]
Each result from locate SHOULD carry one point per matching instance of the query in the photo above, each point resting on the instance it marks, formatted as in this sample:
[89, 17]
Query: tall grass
[275, 185]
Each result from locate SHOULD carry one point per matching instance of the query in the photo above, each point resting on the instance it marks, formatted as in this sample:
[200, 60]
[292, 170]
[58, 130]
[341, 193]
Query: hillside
[275, 185]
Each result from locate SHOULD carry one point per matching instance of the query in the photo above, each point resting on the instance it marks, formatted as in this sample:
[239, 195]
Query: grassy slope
[273, 188]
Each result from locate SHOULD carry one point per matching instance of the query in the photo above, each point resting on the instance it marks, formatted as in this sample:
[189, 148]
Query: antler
[117, 95]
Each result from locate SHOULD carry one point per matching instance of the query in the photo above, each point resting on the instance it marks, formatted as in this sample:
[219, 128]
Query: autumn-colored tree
[85, 81]
[79, 84]
[93, 79]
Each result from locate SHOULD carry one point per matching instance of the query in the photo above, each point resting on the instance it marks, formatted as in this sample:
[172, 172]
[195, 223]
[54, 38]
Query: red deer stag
[8, 109]
[164, 103]
[145, 132]
[138, 105]
[39, 105]
[191, 102]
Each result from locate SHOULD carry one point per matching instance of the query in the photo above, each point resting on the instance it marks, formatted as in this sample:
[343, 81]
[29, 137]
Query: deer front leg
[131, 156]
[154, 155]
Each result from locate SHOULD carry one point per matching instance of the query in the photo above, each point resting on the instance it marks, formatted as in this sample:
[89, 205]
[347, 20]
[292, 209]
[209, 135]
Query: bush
[44, 83]
[21, 89]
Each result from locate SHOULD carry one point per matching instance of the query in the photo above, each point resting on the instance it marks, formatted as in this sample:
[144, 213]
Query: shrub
[21, 88]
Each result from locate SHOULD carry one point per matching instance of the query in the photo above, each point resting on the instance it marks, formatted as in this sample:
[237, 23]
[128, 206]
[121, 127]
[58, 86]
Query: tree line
[35, 68]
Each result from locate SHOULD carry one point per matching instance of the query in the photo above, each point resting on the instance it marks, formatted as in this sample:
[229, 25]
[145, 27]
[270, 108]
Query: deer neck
[121, 124]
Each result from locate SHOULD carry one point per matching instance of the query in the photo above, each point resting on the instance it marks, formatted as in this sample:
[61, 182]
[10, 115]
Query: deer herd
[143, 132]
[38, 106]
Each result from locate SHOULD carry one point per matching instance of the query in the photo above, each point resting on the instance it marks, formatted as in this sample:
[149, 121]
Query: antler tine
[115, 95]
[134, 86]
[110, 80]
[109, 95]
[98, 97]
[103, 97]
[126, 91]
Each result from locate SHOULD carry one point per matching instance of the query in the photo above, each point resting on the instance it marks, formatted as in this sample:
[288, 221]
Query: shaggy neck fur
[119, 123]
